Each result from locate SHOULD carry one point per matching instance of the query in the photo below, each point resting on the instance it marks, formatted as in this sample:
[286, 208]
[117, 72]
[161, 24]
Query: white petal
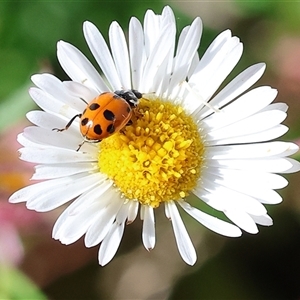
[47, 195]
[65, 190]
[193, 66]
[162, 78]
[167, 212]
[30, 144]
[223, 198]
[292, 149]
[78, 67]
[99, 229]
[48, 155]
[25, 142]
[163, 46]
[102, 191]
[51, 104]
[30, 191]
[242, 219]
[247, 105]
[80, 91]
[136, 51]
[102, 54]
[276, 106]
[62, 170]
[75, 226]
[112, 241]
[215, 65]
[212, 223]
[49, 121]
[186, 53]
[111, 244]
[151, 30]
[236, 87]
[148, 234]
[132, 211]
[184, 243]
[154, 24]
[59, 224]
[168, 15]
[278, 165]
[260, 179]
[54, 87]
[261, 150]
[264, 220]
[78, 205]
[295, 166]
[262, 136]
[256, 123]
[142, 212]
[45, 137]
[120, 54]
[262, 193]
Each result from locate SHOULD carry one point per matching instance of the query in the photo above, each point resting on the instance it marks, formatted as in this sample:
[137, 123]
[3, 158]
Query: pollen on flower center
[158, 158]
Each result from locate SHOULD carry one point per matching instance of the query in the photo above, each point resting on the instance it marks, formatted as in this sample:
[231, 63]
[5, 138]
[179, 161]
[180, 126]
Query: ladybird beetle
[105, 115]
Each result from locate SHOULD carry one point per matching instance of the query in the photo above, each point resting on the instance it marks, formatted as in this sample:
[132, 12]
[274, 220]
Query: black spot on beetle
[84, 121]
[110, 128]
[109, 115]
[94, 106]
[97, 129]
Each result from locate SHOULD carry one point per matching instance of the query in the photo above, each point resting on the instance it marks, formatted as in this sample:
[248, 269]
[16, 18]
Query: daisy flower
[186, 137]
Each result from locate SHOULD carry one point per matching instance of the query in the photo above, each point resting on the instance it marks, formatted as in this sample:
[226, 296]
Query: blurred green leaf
[14, 70]
[254, 7]
[15, 285]
[285, 15]
[15, 107]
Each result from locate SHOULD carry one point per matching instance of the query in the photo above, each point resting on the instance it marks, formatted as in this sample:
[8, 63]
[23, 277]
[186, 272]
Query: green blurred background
[262, 266]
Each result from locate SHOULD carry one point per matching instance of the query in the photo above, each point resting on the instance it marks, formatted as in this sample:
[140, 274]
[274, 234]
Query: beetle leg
[129, 123]
[87, 141]
[69, 123]
[79, 146]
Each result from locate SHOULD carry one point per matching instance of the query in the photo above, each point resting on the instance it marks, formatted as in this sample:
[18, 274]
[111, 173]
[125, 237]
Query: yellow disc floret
[158, 158]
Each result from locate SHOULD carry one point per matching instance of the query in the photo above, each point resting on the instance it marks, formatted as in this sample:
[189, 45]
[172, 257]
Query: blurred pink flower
[14, 220]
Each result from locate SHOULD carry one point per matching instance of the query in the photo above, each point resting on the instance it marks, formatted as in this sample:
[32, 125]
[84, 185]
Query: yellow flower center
[158, 158]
